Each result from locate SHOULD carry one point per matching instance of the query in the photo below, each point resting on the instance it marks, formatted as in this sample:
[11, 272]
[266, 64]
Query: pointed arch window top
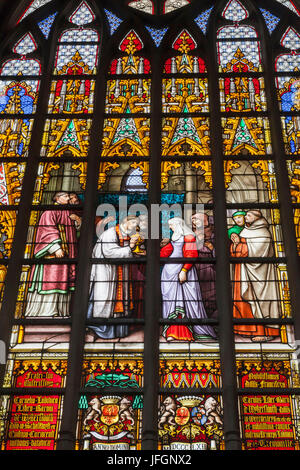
[290, 5]
[291, 39]
[35, 5]
[184, 42]
[172, 5]
[235, 11]
[25, 45]
[131, 43]
[143, 5]
[82, 15]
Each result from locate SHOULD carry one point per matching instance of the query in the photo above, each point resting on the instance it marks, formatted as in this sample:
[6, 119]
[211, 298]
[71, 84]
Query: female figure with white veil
[180, 287]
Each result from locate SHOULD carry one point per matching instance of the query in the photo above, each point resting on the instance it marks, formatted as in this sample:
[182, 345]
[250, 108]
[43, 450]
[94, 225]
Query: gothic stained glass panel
[157, 34]
[113, 20]
[271, 20]
[268, 421]
[66, 135]
[197, 419]
[294, 176]
[260, 291]
[25, 45]
[203, 19]
[184, 95]
[82, 15]
[291, 134]
[184, 62]
[33, 6]
[235, 11]
[142, 5]
[111, 422]
[288, 93]
[71, 96]
[131, 62]
[288, 63]
[259, 230]
[15, 137]
[172, 5]
[242, 94]
[108, 312]
[246, 135]
[43, 224]
[250, 181]
[54, 177]
[190, 182]
[21, 67]
[195, 424]
[3, 271]
[128, 96]
[291, 5]
[185, 136]
[33, 421]
[189, 329]
[117, 289]
[126, 137]
[239, 56]
[45, 291]
[120, 423]
[17, 96]
[46, 25]
[291, 39]
[11, 180]
[77, 59]
[7, 229]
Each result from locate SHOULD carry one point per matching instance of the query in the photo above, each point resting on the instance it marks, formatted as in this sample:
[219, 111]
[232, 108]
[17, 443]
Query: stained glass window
[291, 5]
[271, 20]
[149, 226]
[33, 6]
[142, 5]
[46, 25]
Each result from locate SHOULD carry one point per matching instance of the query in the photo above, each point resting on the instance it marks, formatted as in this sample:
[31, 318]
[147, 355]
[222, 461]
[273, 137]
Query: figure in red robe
[255, 290]
[51, 285]
[180, 287]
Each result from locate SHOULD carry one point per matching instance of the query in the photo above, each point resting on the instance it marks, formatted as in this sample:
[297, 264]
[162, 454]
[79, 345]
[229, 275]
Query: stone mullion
[282, 177]
[80, 303]
[152, 288]
[223, 280]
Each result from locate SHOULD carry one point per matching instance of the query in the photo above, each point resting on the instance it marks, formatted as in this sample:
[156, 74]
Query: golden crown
[110, 400]
[189, 401]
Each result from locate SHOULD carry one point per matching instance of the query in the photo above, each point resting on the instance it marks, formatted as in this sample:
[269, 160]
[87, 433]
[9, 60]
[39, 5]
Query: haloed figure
[180, 287]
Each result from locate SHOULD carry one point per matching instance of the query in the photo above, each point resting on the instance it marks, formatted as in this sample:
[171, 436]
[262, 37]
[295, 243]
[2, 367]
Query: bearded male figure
[51, 285]
[256, 293]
